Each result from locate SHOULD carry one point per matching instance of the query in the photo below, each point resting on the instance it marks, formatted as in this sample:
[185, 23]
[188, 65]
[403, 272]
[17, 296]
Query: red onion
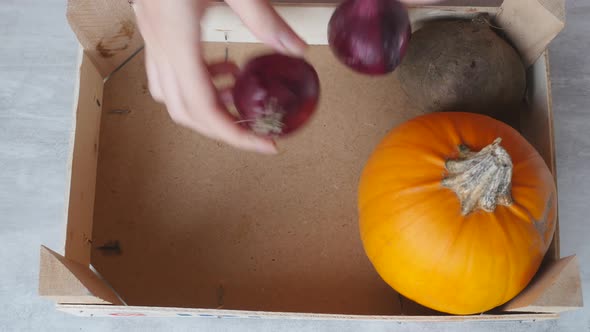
[276, 94]
[370, 36]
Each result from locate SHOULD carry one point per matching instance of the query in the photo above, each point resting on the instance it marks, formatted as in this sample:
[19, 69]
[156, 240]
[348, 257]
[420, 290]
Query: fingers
[207, 115]
[225, 124]
[223, 68]
[177, 106]
[153, 78]
[261, 18]
[226, 95]
[179, 77]
[238, 136]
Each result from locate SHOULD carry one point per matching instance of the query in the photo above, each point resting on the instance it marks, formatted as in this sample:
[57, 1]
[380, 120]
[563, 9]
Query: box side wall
[107, 29]
[108, 32]
[537, 125]
[133, 311]
[83, 163]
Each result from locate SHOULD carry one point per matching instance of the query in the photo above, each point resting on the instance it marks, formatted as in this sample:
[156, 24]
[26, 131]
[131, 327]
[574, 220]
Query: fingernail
[268, 148]
[292, 44]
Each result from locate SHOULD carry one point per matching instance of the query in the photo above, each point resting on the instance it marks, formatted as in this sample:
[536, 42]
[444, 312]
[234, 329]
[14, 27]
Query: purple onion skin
[370, 36]
[276, 94]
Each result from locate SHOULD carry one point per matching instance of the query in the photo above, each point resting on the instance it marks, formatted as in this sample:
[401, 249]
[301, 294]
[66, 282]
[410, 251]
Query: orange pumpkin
[456, 211]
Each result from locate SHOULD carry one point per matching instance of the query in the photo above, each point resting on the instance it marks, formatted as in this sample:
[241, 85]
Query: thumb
[261, 18]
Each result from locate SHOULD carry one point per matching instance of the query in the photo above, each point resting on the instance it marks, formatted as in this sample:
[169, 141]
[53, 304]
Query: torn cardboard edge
[531, 25]
[108, 31]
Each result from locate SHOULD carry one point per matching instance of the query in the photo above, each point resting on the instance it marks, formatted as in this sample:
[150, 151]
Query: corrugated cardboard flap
[66, 281]
[107, 31]
[556, 288]
[531, 25]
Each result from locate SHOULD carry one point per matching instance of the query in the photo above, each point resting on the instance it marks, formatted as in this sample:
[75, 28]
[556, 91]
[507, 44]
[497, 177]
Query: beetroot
[462, 65]
[276, 94]
[370, 36]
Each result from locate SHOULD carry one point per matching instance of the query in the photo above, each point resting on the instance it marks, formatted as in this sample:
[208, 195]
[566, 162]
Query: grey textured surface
[37, 74]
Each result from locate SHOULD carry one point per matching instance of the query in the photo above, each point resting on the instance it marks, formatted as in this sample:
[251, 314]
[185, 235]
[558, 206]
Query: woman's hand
[180, 78]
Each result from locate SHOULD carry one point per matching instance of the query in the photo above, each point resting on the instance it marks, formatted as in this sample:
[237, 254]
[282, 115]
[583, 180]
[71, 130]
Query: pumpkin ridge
[412, 146]
[509, 243]
[387, 167]
[545, 216]
[400, 229]
[523, 185]
[452, 244]
[525, 162]
[528, 217]
[412, 189]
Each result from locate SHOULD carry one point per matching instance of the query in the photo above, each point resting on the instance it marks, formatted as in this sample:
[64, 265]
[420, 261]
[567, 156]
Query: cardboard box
[162, 222]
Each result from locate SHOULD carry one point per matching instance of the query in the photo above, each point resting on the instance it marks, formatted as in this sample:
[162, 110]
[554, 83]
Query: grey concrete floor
[37, 74]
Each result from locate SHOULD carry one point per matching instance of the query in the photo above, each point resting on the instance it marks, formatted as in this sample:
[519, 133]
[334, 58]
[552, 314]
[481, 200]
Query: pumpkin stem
[481, 179]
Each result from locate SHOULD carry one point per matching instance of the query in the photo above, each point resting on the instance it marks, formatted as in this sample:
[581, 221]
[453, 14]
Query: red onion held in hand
[370, 36]
[276, 94]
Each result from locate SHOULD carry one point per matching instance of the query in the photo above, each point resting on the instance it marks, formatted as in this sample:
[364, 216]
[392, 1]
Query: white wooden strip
[221, 24]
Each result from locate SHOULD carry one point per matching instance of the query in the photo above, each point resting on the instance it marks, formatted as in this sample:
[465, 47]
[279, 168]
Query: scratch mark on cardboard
[109, 46]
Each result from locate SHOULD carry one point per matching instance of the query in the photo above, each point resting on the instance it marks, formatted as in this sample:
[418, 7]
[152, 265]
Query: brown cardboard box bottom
[170, 219]
[202, 225]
